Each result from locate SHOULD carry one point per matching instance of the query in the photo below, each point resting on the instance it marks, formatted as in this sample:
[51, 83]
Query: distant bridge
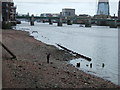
[71, 18]
[36, 17]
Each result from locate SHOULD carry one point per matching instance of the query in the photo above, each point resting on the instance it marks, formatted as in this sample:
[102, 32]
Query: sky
[37, 7]
[61, 0]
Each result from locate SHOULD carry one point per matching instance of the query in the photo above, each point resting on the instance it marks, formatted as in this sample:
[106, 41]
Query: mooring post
[32, 20]
[78, 65]
[103, 65]
[13, 56]
[90, 65]
[48, 57]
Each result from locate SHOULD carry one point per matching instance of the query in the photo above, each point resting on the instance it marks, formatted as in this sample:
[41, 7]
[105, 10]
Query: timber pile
[77, 54]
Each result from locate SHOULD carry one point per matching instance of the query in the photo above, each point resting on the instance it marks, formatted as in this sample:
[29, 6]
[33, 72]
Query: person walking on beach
[48, 57]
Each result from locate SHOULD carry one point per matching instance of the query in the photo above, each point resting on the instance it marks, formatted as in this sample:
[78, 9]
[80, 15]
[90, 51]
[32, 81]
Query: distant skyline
[55, 6]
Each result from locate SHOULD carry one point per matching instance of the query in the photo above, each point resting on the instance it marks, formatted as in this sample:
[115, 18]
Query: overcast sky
[61, 0]
[55, 6]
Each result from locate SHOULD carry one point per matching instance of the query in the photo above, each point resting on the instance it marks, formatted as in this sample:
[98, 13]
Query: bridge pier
[50, 22]
[88, 23]
[69, 22]
[59, 22]
[32, 20]
[102, 23]
[114, 24]
[43, 21]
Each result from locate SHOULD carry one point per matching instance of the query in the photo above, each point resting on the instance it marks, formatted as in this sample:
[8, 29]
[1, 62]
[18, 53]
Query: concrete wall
[0, 14]
[0, 45]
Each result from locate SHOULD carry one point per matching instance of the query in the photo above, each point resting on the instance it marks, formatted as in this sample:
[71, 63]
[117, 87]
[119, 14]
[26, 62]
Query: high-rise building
[103, 7]
[68, 12]
[119, 10]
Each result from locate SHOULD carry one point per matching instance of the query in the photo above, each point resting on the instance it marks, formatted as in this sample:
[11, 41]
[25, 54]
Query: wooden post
[48, 58]
[78, 65]
[13, 56]
[77, 54]
[103, 65]
[90, 65]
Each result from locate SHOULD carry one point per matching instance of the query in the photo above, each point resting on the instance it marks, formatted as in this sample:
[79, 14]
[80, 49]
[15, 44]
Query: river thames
[98, 42]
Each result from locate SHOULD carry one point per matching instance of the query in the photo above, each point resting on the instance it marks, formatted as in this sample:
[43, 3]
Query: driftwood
[82, 56]
[34, 31]
[13, 56]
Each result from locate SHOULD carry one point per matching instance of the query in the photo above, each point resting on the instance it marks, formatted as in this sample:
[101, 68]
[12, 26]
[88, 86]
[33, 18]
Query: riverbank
[31, 69]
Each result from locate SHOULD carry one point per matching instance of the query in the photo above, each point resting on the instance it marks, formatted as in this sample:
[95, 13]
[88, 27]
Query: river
[98, 42]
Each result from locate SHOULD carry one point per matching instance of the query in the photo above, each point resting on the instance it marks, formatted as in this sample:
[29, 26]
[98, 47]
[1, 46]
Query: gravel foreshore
[31, 69]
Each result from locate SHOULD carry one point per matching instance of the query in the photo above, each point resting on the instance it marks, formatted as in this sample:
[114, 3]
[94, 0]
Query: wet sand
[31, 69]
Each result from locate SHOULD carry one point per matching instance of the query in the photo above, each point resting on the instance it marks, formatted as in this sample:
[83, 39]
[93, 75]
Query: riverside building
[8, 12]
[68, 12]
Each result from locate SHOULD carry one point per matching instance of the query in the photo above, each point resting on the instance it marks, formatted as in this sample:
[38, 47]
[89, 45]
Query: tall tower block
[103, 7]
[119, 10]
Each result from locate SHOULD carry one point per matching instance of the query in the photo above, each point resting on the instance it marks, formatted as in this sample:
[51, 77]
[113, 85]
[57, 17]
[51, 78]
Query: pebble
[20, 66]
